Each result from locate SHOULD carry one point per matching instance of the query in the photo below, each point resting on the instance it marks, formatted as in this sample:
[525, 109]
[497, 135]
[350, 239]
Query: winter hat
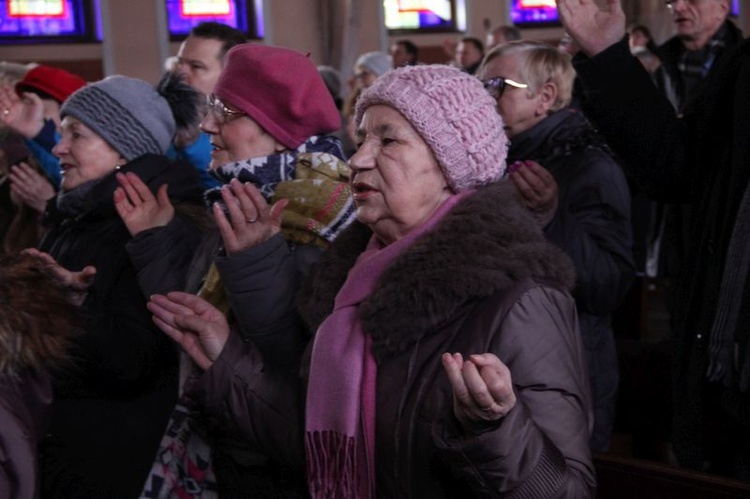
[332, 79]
[454, 115]
[133, 116]
[376, 63]
[281, 90]
[55, 82]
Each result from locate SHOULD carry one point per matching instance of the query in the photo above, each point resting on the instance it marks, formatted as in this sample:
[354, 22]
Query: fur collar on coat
[488, 242]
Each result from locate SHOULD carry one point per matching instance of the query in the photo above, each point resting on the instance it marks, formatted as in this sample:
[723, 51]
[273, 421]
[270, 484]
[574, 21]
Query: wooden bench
[628, 478]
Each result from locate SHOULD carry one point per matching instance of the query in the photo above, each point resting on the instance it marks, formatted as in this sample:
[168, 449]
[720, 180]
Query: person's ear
[547, 96]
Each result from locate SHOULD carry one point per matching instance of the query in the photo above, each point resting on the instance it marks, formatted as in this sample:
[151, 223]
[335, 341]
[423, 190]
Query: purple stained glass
[530, 12]
[68, 23]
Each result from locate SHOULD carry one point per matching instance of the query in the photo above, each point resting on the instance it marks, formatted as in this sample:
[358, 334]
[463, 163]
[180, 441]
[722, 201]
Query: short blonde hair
[539, 63]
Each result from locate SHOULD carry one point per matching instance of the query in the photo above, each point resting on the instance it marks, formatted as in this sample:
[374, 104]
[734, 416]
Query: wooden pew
[628, 478]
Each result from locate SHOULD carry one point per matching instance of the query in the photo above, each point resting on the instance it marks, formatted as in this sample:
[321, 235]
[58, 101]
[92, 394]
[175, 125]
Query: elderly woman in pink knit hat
[446, 359]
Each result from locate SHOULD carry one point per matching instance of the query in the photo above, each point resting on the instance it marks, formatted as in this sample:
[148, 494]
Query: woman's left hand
[538, 189]
[31, 187]
[251, 221]
[196, 325]
[482, 388]
[138, 207]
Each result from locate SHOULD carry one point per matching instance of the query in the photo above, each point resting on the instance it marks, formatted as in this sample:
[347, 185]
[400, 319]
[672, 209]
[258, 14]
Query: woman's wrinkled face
[235, 136]
[83, 154]
[396, 181]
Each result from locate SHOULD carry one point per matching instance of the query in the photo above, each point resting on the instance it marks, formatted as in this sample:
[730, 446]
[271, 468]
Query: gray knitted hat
[127, 113]
[375, 62]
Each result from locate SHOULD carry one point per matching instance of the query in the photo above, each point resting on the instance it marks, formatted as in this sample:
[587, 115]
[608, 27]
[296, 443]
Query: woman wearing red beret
[285, 197]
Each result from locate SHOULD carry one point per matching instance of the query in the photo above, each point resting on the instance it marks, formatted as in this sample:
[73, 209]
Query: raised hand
[24, 115]
[77, 282]
[594, 28]
[538, 189]
[482, 388]
[199, 328]
[32, 188]
[138, 207]
[251, 221]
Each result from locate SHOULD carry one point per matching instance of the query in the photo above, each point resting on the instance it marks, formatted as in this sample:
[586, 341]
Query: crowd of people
[257, 278]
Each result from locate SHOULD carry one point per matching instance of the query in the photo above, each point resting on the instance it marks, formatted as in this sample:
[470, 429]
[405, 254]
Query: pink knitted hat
[454, 115]
[281, 90]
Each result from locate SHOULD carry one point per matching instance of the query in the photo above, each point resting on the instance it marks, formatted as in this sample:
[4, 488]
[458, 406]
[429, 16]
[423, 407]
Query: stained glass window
[30, 21]
[422, 15]
[534, 12]
[245, 15]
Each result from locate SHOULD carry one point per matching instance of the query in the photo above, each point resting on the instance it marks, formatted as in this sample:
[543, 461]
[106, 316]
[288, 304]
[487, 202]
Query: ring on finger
[252, 220]
[6, 111]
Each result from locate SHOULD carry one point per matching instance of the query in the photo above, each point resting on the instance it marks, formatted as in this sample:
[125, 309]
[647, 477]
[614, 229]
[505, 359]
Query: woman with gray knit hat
[446, 359]
[112, 403]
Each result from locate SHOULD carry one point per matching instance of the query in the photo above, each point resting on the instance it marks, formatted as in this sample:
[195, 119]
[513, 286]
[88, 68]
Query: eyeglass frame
[670, 3]
[495, 86]
[221, 111]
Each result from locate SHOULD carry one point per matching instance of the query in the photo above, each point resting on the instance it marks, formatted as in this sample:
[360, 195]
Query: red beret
[55, 82]
[281, 90]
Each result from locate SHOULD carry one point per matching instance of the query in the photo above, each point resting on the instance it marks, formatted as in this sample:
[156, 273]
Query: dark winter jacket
[702, 159]
[592, 225]
[672, 50]
[111, 408]
[484, 281]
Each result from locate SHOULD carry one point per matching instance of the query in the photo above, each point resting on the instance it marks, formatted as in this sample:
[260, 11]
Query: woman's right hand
[482, 388]
[251, 221]
[196, 325]
[138, 207]
[24, 115]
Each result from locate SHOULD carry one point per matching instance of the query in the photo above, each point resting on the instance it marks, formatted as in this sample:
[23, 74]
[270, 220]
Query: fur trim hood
[488, 242]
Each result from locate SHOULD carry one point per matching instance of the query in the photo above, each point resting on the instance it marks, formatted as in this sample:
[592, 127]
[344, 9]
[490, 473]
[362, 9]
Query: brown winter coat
[484, 280]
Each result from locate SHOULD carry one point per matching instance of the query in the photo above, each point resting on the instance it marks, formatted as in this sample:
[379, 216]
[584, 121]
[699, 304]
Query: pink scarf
[340, 410]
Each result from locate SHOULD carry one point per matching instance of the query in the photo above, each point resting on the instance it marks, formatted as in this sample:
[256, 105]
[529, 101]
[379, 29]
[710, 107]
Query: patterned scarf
[694, 65]
[340, 408]
[314, 178]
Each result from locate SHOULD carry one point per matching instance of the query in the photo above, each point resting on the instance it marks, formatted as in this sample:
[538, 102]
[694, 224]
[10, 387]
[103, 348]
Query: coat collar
[487, 243]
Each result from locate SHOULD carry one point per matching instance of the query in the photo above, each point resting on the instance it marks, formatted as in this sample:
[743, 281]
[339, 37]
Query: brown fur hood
[486, 243]
[36, 315]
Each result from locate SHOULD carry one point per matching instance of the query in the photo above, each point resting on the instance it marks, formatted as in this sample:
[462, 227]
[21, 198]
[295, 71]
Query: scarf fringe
[331, 464]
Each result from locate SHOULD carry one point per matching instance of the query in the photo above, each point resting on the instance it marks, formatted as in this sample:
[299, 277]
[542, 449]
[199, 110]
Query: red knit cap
[281, 90]
[55, 82]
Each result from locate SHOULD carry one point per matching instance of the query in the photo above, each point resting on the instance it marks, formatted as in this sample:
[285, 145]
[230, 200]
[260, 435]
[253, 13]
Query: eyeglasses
[221, 112]
[670, 3]
[495, 86]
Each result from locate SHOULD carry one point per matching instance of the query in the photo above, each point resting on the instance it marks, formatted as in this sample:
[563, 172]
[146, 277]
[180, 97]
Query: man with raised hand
[702, 159]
